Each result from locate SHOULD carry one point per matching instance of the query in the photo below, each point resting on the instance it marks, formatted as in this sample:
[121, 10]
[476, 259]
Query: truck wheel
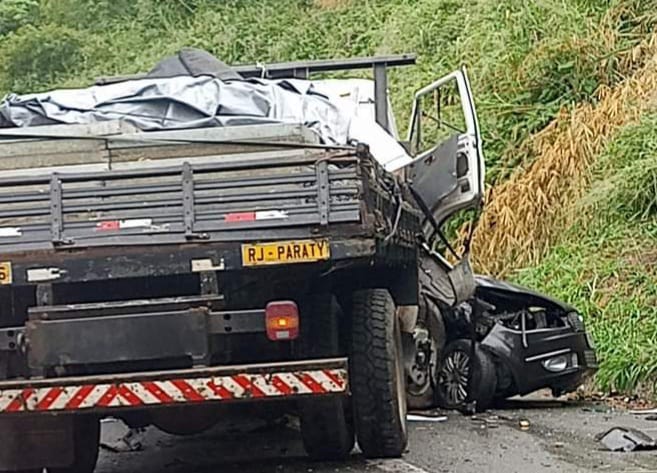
[377, 375]
[185, 421]
[327, 426]
[327, 429]
[423, 351]
[86, 440]
[466, 377]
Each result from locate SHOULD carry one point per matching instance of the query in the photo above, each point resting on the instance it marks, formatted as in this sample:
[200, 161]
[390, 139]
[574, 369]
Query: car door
[447, 171]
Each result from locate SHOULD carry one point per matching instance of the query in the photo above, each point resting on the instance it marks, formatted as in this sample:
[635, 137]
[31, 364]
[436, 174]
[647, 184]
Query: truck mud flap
[195, 386]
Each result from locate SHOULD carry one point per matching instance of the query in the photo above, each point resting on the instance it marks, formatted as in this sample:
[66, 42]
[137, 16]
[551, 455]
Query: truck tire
[423, 358]
[466, 377]
[327, 426]
[86, 440]
[377, 375]
[327, 429]
[183, 421]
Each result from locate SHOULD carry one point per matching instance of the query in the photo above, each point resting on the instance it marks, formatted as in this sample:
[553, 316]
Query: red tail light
[282, 320]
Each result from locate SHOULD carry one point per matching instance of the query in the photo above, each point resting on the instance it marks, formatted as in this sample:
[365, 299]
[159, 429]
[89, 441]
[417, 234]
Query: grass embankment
[606, 262]
[581, 223]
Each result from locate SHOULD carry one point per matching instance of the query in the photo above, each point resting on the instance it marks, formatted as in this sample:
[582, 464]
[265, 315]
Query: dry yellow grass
[524, 214]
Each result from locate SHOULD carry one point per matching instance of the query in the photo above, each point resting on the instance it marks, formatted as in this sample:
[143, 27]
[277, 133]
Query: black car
[509, 340]
[503, 340]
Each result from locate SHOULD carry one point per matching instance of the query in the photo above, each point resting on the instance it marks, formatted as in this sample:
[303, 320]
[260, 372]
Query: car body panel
[523, 351]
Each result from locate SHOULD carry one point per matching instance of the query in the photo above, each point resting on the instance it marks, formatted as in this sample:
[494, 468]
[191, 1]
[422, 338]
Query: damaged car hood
[488, 286]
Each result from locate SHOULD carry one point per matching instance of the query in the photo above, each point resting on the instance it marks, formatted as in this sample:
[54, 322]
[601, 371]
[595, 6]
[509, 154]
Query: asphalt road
[560, 438]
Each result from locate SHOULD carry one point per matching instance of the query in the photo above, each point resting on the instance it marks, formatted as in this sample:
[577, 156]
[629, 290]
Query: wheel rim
[419, 379]
[453, 378]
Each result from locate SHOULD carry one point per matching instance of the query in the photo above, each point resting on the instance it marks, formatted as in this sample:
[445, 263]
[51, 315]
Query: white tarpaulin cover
[206, 101]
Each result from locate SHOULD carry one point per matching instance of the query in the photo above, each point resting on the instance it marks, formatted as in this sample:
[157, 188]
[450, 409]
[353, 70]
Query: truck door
[447, 171]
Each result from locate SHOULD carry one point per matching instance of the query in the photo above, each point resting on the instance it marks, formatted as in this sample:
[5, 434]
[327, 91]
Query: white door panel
[448, 176]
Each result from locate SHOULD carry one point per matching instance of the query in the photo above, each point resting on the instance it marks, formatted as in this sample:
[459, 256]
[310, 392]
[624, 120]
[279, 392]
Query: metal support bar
[284, 69]
[287, 69]
[56, 213]
[239, 321]
[142, 306]
[323, 192]
[381, 95]
[44, 295]
[188, 199]
[301, 73]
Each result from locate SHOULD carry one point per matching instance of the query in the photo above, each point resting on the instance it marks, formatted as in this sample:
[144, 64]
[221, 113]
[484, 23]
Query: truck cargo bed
[164, 195]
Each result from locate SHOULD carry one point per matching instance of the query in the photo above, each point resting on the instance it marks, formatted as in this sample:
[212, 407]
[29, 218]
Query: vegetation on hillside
[527, 59]
[525, 214]
[540, 70]
[606, 262]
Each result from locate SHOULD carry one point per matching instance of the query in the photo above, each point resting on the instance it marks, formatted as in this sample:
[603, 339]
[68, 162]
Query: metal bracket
[188, 202]
[44, 274]
[381, 95]
[323, 192]
[56, 212]
[209, 283]
[10, 338]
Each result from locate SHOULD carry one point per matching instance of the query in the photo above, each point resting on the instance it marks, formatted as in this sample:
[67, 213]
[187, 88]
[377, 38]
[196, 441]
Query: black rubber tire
[483, 382]
[327, 425]
[377, 375]
[86, 439]
[327, 428]
[320, 319]
[185, 422]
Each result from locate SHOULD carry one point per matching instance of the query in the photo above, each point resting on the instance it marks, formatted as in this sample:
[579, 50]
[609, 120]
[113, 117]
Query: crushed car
[523, 341]
[504, 341]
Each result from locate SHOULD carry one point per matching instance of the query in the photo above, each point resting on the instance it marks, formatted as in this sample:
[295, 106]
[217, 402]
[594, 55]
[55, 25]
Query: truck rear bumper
[104, 394]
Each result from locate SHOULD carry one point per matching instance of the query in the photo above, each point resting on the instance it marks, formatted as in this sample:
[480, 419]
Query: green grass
[527, 59]
[606, 264]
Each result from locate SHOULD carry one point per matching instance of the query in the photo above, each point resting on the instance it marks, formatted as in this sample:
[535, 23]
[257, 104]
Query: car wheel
[466, 376]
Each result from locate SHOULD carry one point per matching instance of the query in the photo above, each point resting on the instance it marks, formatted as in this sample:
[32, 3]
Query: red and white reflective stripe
[253, 216]
[173, 391]
[124, 224]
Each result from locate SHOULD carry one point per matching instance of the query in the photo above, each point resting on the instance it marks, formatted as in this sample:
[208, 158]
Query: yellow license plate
[286, 252]
[5, 273]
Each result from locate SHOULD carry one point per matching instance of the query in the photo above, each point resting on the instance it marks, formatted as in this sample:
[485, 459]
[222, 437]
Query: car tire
[377, 375]
[327, 425]
[86, 435]
[466, 377]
